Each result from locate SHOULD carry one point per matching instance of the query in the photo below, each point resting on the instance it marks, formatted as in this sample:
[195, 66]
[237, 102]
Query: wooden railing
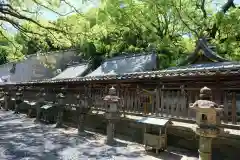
[172, 103]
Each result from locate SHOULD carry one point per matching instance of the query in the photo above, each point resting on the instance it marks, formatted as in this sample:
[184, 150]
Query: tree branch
[225, 8]
[74, 8]
[50, 9]
[203, 9]
[185, 23]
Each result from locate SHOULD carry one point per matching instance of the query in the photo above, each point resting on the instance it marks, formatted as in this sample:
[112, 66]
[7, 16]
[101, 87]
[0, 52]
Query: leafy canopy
[169, 28]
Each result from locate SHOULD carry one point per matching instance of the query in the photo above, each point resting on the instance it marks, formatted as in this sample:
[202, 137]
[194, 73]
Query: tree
[168, 27]
[24, 15]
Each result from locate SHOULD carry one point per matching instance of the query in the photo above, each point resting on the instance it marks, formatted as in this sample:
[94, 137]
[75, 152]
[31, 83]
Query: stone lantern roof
[205, 102]
[112, 95]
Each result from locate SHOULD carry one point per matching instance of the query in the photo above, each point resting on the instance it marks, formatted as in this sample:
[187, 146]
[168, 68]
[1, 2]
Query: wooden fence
[167, 102]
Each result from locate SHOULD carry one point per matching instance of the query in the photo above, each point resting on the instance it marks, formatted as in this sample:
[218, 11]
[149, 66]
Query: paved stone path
[21, 139]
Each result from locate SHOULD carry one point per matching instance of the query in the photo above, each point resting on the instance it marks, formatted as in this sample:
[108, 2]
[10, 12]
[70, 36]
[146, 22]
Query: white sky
[83, 7]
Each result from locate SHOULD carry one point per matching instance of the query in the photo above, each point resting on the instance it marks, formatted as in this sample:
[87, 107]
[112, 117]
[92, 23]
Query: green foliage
[168, 27]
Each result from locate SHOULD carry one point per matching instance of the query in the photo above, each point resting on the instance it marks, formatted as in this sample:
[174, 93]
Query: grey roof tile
[127, 64]
[72, 71]
[32, 68]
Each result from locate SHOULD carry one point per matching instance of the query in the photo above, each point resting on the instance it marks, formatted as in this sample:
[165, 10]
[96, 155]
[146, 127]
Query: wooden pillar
[157, 107]
[129, 101]
[153, 103]
[179, 104]
[171, 103]
[105, 93]
[133, 107]
[184, 106]
[124, 101]
[167, 103]
[234, 108]
[162, 102]
[225, 107]
[218, 96]
[135, 102]
[189, 101]
[101, 95]
[196, 96]
[218, 92]
[145, 108]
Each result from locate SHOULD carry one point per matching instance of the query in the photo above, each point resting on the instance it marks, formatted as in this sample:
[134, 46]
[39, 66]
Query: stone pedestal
[60, 108]
[205, 148]
[40, 103]
[18, 101]
[59, 123]
[38, 112]
[110, 132]
[82, 110]
[16, 111]
[6, 100]
[81, 123]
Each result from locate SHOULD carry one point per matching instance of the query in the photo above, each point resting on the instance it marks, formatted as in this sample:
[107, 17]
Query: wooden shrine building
[145, 90]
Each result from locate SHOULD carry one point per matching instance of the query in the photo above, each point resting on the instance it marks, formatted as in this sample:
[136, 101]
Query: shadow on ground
[21, 138]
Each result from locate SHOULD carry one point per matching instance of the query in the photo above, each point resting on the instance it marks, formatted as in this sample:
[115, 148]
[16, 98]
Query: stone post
[208, 124]
[6, 100]
[2, 96]
[41, 98]
[19, 100]
[112, 113]
[82, 110]
[60, 107]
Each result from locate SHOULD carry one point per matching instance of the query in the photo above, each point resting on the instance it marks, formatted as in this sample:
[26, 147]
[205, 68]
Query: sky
[84, 7]
[237, 1]
[78, 4]
[92, 3]
[49, 15]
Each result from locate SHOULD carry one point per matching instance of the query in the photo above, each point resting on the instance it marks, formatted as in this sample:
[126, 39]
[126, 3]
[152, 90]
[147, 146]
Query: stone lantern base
[204, 156]
[205, 141]
[207, 132]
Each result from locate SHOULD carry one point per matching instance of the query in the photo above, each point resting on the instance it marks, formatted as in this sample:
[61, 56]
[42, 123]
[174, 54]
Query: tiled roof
[210, 69]
[126, 64]
[33, 67]
[72, 71]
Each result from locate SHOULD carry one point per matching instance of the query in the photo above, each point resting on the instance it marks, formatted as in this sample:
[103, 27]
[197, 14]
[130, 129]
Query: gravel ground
[21, 139]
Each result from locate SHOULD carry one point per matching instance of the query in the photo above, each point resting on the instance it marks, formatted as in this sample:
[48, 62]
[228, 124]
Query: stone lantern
[208, 122]
[112, 113]
[82, 109]
[19, 100]
[60, 107]
[41, 99]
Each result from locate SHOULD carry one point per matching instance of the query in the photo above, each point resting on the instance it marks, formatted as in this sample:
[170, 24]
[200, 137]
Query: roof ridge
[203, 43]
[36, 54]
[207, 51]
[129, 56]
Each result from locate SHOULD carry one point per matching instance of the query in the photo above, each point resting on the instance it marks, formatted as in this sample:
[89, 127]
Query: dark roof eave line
[190, 58]
[210, 53]
[146, 76]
